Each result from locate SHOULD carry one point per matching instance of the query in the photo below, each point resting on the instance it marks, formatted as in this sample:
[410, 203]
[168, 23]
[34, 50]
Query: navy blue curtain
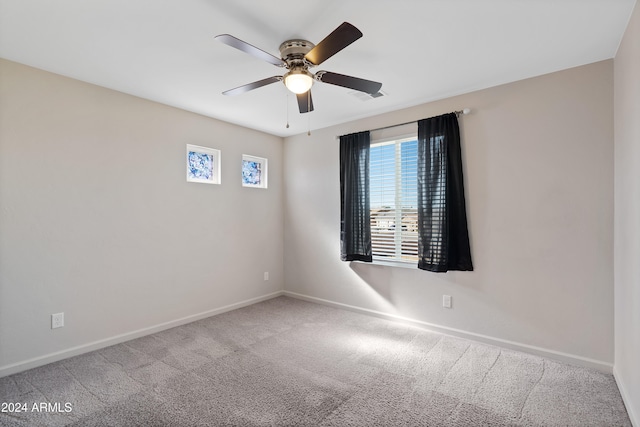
[443, 236]
[355, 224]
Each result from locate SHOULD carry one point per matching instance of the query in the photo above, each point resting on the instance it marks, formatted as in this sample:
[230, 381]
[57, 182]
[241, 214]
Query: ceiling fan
[297, 56]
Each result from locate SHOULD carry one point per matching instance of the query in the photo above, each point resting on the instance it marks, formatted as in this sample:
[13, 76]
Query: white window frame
[397, 261]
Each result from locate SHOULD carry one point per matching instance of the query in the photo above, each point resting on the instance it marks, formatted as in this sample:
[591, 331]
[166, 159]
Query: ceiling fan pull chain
[287, 98]
[309, 117]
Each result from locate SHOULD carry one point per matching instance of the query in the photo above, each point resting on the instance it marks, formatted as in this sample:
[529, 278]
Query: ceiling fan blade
[340, 38]
[250, 49]
[251, 86]
[305, 102]
[355, 83]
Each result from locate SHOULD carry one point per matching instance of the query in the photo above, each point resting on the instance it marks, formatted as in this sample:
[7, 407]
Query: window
[402, 197]
[394, 199]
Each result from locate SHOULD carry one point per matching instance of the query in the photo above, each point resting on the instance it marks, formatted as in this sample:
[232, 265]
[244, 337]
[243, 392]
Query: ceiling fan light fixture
[298, 81]
[297, 56]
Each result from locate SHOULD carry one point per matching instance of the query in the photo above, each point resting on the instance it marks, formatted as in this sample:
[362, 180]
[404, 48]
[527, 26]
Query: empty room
[339, 213]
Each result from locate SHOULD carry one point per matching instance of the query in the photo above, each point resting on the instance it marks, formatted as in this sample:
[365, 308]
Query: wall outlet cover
[57, 320]
[446, 301]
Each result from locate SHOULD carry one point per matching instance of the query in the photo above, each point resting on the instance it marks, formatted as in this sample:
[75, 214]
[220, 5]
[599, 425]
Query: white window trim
[390, 263]
[389, 140]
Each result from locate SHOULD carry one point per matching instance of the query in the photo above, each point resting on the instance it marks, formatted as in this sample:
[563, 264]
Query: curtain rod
[464, 111]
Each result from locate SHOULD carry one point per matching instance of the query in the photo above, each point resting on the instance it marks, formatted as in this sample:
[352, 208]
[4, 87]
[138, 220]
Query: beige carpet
[286, 362]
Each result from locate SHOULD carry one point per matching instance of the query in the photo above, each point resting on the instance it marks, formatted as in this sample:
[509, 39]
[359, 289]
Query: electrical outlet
[57, 320]
[446, 301]
[266, 275]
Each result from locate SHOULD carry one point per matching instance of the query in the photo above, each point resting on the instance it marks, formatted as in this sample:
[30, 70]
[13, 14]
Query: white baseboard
[538, 351]
[626, 398]
[96, 345]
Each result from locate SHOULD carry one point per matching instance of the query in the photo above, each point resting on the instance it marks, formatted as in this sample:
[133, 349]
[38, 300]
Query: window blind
[393, 194]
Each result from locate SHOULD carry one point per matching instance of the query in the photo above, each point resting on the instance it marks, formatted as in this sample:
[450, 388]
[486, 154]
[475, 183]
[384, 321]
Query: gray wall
[538, 158]
[97, 219]
[627, 217]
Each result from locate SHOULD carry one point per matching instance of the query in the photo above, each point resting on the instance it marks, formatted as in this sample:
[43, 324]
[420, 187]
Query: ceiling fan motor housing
[293, 51]
[298, 79]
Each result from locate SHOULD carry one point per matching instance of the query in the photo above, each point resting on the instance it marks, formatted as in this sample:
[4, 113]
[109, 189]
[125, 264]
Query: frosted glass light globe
[298, 81]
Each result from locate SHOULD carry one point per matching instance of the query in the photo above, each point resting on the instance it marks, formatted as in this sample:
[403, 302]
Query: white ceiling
[164, 50]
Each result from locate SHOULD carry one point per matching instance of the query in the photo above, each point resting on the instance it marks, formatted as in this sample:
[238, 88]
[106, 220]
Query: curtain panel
[443, 237]
[355, 224]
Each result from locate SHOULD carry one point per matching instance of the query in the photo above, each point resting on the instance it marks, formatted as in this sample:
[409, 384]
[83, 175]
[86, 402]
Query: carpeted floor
[286, 362]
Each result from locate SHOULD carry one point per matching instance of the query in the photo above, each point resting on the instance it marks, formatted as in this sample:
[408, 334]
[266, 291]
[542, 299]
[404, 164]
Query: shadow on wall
[377, 277]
